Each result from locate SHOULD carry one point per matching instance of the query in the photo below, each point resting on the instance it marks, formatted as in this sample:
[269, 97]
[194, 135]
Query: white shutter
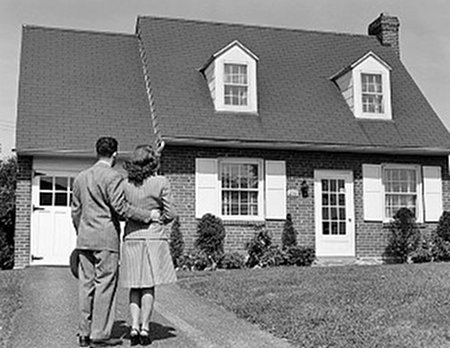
[432, 188]
[206, 187]
[275, 189]
[372, 192]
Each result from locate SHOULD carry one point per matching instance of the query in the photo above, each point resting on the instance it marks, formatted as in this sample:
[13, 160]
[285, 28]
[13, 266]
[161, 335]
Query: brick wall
[23, 212]
[178, 164]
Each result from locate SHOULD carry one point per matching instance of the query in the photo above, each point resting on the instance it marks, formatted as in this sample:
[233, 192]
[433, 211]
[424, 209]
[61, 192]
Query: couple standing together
[101, 196]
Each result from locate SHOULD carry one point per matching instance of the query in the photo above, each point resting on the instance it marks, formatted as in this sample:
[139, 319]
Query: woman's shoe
[145, 337]
[134, 337]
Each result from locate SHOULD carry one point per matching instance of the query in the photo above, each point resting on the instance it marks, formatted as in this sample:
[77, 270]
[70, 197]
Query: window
[235, 84]
[372, 93]
[333, 207]
[55, 191]
[401, 190]
[240, 189]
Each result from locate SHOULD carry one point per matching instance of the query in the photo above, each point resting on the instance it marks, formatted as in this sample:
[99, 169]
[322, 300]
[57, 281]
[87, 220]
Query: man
[98, 201]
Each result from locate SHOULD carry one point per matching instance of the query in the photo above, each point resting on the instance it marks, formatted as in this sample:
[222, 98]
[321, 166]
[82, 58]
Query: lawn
[351, 306]
[10, 300]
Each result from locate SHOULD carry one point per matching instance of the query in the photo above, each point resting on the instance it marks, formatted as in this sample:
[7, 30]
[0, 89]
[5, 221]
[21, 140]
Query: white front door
[52, 234]
[334, 213]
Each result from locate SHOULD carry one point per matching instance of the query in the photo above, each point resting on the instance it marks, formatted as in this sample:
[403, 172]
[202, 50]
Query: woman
[146, 260]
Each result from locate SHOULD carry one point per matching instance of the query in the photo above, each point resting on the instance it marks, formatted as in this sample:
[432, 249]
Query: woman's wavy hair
[143, 163]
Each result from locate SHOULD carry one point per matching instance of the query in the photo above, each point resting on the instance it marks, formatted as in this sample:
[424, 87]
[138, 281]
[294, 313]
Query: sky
[424, 32]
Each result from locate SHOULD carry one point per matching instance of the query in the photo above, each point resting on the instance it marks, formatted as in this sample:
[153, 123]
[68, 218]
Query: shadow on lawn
[157, 331]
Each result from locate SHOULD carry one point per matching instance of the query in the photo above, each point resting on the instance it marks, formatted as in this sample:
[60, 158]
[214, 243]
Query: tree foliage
[8, 177]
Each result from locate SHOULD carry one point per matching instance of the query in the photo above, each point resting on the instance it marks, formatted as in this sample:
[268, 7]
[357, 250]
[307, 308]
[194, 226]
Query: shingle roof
[78, 85]
[297, 101]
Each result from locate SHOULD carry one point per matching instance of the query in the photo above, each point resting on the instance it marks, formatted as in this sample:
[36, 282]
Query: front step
[345, 261]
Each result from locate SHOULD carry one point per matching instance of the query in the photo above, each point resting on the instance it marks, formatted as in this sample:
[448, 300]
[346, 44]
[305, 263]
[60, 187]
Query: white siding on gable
[233, 55]
[345, 84]
[275, 189]
[432, 187]
[372, 192]
[370, 65]
[206, 187]
[211, 78]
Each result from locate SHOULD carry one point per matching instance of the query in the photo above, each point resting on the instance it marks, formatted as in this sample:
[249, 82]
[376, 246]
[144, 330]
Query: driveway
[48, 317]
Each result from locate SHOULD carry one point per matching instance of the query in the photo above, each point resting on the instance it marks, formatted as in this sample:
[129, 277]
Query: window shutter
[372, 192]
[432, 188]
[206, 187]
[275, 189]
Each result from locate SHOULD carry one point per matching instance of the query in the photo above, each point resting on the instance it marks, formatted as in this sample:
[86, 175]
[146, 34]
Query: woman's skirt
[146, 263]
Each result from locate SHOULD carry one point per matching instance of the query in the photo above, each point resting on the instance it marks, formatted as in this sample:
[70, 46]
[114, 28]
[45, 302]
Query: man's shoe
[84, 341]
[107, 342]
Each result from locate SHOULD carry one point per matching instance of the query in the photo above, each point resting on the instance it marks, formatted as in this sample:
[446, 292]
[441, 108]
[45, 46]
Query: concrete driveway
[48, 317]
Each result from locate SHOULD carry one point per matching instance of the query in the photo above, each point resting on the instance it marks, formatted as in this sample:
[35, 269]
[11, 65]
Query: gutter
[272, 145]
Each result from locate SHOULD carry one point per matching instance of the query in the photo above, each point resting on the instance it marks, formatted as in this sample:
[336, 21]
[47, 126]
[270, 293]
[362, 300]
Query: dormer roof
[227, 48]
[357, 62]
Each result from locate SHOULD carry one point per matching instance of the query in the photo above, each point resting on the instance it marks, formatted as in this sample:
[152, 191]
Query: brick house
[258, 122]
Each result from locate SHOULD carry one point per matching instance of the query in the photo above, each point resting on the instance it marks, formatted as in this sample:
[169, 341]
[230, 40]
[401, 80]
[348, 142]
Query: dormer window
[372, 93]
[235, 84]
[231, 77]
[366, 87]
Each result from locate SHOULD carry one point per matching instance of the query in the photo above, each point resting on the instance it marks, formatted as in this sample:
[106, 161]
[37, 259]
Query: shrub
[257, 246]
[196, 261]
[272, 256]
[440, 248]
[176, 242]
[289, 235]
[211, 236]
[405, 235]
[8, 169]
[423, 253]
[443, 228]
[232, 261]
[300, 256]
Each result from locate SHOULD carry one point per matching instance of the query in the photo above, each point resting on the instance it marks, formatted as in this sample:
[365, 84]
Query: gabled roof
[299, 106]
[225, 49]
[359, 61]
[76, 86]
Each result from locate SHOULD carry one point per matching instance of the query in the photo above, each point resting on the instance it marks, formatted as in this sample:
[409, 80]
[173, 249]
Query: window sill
[244, 222]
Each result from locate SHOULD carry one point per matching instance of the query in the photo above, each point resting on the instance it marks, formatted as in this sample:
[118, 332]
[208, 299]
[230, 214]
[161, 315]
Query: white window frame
[232, 84]
[419, 203]
[386, 93]
[260, 163]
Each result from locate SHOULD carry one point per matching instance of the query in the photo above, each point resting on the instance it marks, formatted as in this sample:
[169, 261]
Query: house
[258, 122]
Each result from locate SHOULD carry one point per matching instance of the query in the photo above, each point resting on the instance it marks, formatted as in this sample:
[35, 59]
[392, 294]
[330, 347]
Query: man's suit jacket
[98, 201]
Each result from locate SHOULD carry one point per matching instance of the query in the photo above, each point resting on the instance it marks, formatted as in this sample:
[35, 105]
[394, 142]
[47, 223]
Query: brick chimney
[385, 28]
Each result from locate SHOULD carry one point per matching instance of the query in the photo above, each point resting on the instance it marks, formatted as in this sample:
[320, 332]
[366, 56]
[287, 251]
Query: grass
[351, 306]
[10, 301]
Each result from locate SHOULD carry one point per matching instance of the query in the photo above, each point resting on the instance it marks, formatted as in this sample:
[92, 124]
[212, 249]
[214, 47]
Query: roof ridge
[94, 32]
[256, 26]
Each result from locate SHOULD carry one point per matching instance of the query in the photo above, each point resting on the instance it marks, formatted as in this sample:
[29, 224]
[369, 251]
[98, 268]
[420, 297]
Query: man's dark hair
[106, 146]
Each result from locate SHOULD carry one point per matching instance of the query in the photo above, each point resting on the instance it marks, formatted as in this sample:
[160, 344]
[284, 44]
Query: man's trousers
[97, 285]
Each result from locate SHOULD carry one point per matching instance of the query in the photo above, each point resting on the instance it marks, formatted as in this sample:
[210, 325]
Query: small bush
[289, 235]
[196, 261]
[6, 252]
[423, 253]
[405, 236]
[176, 242]
[257, 246]
[443, 228]
[272, 257]
[232, 261]
[440, 248]
[300, 256]
[211, 236]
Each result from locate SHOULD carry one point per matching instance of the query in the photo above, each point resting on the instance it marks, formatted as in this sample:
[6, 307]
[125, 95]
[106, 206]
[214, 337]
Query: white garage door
[52, 234]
